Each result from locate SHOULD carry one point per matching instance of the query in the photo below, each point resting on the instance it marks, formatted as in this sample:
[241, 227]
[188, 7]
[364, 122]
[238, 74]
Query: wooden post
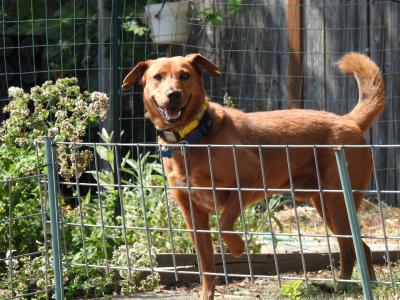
[294, 17]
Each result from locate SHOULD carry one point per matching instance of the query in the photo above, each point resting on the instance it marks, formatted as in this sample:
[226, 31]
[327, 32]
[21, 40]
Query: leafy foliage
[292, 290]
[144, 200]
[58, 110]
[212, 16]
[216, 17]
[66, 33]
[133, 26]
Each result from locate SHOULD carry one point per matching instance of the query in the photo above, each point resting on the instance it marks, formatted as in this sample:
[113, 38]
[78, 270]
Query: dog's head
[173, 88]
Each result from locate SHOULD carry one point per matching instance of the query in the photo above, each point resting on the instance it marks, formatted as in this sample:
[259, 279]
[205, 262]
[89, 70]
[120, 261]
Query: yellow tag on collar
[193, 125]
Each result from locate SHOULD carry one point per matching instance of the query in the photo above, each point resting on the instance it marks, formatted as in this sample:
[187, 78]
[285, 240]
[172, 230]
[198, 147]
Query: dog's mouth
[171, 113]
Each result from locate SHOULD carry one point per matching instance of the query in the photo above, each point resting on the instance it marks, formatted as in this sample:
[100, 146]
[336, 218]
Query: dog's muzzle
[171, 113]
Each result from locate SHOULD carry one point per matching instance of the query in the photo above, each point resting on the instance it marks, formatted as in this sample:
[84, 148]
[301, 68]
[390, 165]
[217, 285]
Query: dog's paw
[208, 288]
[206, 295]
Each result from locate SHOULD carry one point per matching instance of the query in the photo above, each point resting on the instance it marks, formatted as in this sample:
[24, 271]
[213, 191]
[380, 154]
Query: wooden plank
[263, 264]
[274, 61]
[314, 47]
[294, 21]
[345, 30]
[394, 95]
[384, 26]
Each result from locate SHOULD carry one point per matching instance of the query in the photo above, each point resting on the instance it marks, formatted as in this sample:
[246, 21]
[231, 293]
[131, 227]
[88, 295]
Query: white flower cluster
[60, 114]
[15, 92]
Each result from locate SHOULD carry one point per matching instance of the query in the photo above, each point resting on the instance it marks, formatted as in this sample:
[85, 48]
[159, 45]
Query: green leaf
[133, 163]
[105, 137]
[234, 6]
[87, 198]
[105, 178]
[214, 17]
[107, 154]
[277, 221]
[125, 158]
[292, 289]
[128, 171]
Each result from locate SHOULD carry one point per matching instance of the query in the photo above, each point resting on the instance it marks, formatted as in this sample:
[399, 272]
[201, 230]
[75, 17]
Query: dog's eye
[157, 77]
[184, 76]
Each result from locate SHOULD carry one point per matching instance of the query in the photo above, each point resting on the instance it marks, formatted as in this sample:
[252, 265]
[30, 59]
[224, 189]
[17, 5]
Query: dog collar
[192, 132]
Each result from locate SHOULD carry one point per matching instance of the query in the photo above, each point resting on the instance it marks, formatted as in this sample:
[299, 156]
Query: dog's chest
[197, 189]
[199, 192]
[200, 187]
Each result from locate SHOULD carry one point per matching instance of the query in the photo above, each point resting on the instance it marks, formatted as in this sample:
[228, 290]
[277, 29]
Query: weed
[292, 290]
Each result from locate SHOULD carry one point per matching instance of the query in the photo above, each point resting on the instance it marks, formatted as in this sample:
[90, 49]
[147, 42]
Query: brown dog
[180, 109]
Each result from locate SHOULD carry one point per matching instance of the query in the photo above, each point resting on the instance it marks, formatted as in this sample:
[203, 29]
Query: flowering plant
[57, 110]
[61, 111]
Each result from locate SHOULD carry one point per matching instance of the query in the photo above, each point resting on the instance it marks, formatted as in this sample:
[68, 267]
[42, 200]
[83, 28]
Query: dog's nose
[174, 96]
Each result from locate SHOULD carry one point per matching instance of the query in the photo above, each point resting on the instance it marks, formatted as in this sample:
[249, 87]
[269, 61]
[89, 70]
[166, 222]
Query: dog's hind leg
[201, 241]
[338, 223]
[227, 221]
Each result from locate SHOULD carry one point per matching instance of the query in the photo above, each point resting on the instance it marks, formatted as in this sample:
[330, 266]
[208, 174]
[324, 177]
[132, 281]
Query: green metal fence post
[116, 70]
[55, 241]
[355, 228]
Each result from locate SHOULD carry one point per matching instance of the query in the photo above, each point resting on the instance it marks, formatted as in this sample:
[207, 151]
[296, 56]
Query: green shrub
[146, 170]
[139, 257]
[58, 110]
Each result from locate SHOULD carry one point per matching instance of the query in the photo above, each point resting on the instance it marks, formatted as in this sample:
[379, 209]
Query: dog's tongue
[172, 114]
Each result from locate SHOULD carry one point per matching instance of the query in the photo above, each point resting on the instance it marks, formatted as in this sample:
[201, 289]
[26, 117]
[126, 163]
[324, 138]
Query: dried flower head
[59, 110]
[99, 106]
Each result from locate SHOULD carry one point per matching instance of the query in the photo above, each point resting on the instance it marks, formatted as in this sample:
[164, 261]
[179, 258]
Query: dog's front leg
[201, 241]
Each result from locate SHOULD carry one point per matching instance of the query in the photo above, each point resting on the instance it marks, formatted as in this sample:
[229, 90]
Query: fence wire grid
[117, 219]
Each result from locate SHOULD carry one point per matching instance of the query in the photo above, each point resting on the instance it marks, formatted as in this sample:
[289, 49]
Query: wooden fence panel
[251, 49]
[249, 54]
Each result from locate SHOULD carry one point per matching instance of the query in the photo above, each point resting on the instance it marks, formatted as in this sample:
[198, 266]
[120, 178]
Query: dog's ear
[138, 70]
[198, 60]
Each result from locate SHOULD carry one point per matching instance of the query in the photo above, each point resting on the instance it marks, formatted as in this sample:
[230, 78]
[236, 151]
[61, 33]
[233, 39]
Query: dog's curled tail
[371, 101]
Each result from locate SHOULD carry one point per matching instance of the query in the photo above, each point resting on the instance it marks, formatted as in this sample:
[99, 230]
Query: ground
[267, 289]
[371, 225]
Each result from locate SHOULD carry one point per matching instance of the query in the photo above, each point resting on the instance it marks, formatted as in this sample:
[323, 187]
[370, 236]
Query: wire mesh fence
[117, 220]
[123, 220]
[25, 265]
[119, 223]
